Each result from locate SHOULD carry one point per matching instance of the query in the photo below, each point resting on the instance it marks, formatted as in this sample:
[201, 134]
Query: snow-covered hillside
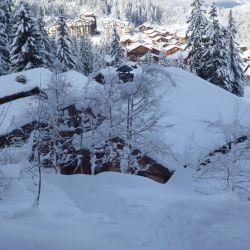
[191, 105]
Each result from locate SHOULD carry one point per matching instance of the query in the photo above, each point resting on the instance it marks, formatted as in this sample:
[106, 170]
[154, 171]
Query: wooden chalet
[140, 51]
[155, 51]
[148, 32]
[243, 48]
[182, 39]
[154, 34]
[160, 39]
[172, 49]
[137, 51]
[127, 42]
[145, 27]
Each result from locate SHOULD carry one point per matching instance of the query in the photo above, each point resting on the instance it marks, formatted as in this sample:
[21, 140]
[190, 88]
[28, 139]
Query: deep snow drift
[116, 211]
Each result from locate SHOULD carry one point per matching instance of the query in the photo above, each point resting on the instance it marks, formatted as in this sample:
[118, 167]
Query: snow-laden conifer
[65, 51]
[196, 30]
[117, 52]
[45, 46]
[235, 60]
[86, 55]
[4, 49]
[215, 59]
[24, 52]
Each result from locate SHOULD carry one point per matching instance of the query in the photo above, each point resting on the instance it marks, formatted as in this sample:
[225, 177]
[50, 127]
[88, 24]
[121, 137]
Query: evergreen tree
[86, 55]
[235, 61]
[117, 52]
[65, 51]
[45, 46]
[4, 48]
[24, 48]
[8, 8]
[215, 60]
[196, 31]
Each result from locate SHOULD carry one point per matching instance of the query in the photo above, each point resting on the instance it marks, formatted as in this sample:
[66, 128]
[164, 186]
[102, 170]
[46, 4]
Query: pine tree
[214, 61]
[8, 8]
[86, 55]
[45, 46]
[65, 52]
[4, 49]
[24, 51]
[196, 30]
[117, 52]
[235, 61]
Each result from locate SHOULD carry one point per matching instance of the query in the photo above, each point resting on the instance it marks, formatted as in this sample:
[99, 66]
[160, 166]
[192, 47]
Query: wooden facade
[140, 51]
[172, 50]
[137, 52]
[127, 42]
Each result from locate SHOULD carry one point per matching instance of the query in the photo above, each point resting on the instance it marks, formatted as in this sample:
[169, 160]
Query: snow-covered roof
[169, 37]
[157, 37]
[136, 45]
[17, 114]
[35, 78]
[169, 47]
[179, 55]
[149, 31]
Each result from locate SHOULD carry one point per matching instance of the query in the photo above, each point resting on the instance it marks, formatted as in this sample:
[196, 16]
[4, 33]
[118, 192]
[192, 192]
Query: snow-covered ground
[116, 211]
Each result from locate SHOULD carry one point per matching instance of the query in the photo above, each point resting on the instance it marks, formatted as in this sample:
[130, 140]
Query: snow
[116, 211]
[18, 111]
[190, 104]
[35, 78]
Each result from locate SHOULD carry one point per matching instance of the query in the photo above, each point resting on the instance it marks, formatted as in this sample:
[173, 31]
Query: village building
[243, 48]
[160, 39]
[145, 27]
[138, 51]
[86, 25]
[172, 49]
[182, 39]
[123, 28]
[148, 32]
[156, 33]
[126, 41]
